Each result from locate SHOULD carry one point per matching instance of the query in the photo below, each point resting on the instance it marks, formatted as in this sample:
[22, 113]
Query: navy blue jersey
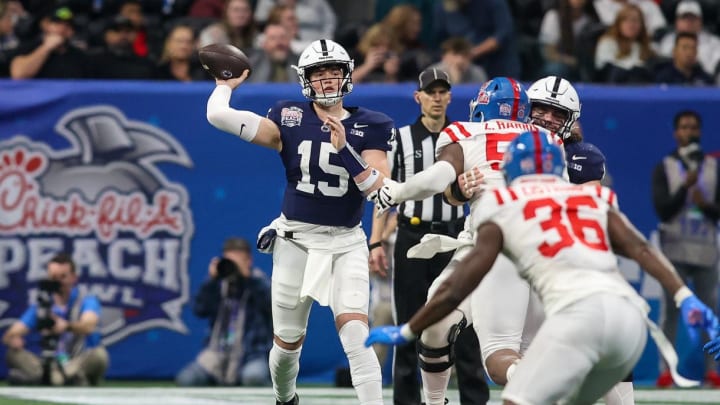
[319, 190]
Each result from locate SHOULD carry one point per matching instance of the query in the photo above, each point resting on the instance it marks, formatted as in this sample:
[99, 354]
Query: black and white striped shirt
[413, 152]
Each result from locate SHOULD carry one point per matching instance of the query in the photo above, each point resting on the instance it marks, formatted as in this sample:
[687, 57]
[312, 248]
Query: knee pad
[353, 335]
[364, 365]
[448, 349]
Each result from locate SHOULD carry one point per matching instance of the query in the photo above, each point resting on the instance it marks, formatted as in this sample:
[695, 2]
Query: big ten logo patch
[103, 200]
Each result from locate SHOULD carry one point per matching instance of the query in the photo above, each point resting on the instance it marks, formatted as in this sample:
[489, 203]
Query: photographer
[236, 300]
[68, 323]
[686, 195]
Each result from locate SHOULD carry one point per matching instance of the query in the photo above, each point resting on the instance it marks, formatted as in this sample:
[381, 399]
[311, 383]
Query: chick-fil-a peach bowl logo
[103, 200]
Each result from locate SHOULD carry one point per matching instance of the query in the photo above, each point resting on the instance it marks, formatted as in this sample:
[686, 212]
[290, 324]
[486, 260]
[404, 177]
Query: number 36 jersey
[556, 233]
[319, 189]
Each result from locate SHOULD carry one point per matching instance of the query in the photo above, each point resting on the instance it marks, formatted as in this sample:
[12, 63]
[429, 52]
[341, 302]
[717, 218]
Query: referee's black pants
[412, 279]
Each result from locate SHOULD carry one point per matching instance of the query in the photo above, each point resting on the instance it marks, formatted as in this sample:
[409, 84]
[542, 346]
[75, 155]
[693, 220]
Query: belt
[451, 228]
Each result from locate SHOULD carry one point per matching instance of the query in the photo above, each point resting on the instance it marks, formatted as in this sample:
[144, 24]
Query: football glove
[389, 335]
[698, 317]
[386, 196]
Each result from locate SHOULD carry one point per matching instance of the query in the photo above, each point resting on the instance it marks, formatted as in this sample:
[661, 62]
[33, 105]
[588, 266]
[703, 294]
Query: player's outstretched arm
[245, 124]
[433, 180]
[629, 242]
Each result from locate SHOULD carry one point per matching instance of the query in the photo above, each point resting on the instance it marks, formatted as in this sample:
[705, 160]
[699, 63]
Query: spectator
[376, 57]
[236, 301]
[562, 34]
[456, 61]
[315, 18]
[405, 21]
[10, 12]
[178, 61]
[284, 15]
[623, 53]
[684, 67]
[651, 13]
[688, 18]
[686, 195]
[273, 62]
[236, 28]
[117, 60]
[71, 321]
[132, 10]
[52, 55]
[488, 25]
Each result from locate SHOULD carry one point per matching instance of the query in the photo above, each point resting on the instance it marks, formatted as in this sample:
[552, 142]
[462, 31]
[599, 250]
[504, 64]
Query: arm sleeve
[666, 205]
[428, 182]
[223, 117]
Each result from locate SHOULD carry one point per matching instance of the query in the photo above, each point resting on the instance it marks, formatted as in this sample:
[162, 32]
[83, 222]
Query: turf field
[256, 396]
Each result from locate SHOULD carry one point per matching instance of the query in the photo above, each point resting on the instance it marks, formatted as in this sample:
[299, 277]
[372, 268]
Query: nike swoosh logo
[358, 126]
[242, 127]
[576, 157]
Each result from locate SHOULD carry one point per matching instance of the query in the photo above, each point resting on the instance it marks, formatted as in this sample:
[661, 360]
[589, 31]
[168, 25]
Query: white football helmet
[557, 92]
[319, 53]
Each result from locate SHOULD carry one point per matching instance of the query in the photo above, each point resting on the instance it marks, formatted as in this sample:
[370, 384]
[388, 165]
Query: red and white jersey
[556, 233]
[483, 145]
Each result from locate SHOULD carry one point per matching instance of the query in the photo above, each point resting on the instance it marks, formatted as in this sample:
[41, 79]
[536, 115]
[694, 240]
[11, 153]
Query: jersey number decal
[306, 184]
[578, 226]
[493, 151]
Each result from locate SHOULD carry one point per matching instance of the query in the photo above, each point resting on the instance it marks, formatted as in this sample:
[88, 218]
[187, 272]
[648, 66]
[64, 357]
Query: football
[223, 61]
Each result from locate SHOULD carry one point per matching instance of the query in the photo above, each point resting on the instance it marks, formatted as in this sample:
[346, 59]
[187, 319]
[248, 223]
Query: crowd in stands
[603, 41]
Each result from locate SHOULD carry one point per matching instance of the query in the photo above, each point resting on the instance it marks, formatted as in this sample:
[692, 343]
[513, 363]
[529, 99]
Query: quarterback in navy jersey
[318, 190]
[333, 155]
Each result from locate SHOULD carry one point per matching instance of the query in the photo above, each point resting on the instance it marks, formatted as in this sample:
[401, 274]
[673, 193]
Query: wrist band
[353, 162]
[680, 295]
[372, 246]
[369, 181]
[457, 193]
[407, 333]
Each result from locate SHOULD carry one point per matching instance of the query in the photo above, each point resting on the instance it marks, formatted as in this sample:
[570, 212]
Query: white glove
[386, 196]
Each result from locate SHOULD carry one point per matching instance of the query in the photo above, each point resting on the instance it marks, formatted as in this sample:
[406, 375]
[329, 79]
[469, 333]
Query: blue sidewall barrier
[156, 190]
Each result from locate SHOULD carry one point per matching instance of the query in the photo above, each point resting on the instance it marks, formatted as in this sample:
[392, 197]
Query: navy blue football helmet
[500, 98]
[533, 152]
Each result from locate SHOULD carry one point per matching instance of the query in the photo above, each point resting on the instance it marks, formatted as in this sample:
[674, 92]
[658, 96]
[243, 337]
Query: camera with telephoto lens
[228, 270]
[45, 323]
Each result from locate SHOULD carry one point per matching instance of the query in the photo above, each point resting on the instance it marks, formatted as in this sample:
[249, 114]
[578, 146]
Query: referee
[414, 151]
